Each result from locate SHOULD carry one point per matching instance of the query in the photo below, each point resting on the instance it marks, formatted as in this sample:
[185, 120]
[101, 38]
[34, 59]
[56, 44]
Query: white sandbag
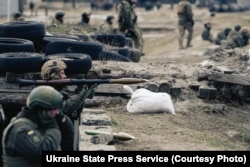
[145, 101]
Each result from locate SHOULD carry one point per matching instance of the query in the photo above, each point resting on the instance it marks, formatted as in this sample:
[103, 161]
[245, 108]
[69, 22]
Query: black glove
[88, 92]
[60, 118]
[47, 120]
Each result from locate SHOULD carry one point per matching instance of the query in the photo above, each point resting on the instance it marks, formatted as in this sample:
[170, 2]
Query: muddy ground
[199, 124]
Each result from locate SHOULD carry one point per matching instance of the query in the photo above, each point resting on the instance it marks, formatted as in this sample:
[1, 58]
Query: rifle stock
[64, 82]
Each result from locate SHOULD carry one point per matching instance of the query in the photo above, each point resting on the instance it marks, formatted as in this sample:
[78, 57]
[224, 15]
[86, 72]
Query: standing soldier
[33, 130]
[185, 22]
[107, 27]
[127, 20]
[68, 119]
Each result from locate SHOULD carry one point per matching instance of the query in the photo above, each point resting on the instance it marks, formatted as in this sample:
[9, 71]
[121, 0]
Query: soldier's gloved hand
[60, 118]
[85, 93]
[47, 120]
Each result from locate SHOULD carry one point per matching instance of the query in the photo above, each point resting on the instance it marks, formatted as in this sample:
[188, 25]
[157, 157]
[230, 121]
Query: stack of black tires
[25, 46]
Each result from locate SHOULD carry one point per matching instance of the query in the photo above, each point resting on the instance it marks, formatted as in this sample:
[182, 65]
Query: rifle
[63, 82]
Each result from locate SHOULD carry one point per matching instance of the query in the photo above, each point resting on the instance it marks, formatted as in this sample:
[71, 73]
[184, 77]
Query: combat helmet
[17, 15]
[59, 14]
[109, 18]
[51, 68]
[245, 32]
[44, 97]
[237, 27]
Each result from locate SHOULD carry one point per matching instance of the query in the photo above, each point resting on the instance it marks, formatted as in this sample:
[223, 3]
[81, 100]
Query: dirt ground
[198, 124]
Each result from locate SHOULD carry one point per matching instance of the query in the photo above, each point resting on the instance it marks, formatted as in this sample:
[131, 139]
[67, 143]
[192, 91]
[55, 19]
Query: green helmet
[59, 14]
[237, 27]
[45, 97]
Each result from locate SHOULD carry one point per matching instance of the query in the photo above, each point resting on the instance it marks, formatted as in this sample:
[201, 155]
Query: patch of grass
[243, 137]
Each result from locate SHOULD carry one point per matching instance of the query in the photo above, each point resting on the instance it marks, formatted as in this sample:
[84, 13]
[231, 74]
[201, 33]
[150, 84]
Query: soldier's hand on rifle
[88, 92]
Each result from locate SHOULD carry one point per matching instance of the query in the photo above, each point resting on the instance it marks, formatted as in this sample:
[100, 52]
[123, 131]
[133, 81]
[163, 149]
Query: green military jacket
[24, 140]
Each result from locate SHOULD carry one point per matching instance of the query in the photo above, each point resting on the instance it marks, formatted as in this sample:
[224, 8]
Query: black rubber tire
[92, 49]
[47, 39]
[76, 63]
[20, 62]
[129, 42]
[16, 45]
[110, 39]
[22, 29]
[113, 55]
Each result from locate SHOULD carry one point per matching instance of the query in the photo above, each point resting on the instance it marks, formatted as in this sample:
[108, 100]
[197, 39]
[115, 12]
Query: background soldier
[72, 105]
[185, 22]
[33, 130]
[222, 36]
[59, 18]
[17, 16]
[85, 19]
[240, 39]
[235, 32]
[127, 20]
[206, 34]
[107, 27]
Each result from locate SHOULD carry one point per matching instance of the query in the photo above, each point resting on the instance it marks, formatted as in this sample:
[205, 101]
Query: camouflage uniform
[107, 27]
[32, 131]
[235, 32]
[185, 22]
[222, 36]
[127, 20]
[240, 39]
[72, 105]
[206, 34]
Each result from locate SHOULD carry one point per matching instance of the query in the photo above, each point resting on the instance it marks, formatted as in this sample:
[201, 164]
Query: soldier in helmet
[34, 129]
[59, 18]
[222, 36]
[238, 40]
[185, 22]
[127, 22]
[107, 27]
[85, 19]
[72, 105]
[17, 16]
[234, 32]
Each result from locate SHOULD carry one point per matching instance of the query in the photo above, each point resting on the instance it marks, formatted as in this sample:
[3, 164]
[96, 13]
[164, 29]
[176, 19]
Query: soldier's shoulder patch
[30, 132]
[36, 139]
